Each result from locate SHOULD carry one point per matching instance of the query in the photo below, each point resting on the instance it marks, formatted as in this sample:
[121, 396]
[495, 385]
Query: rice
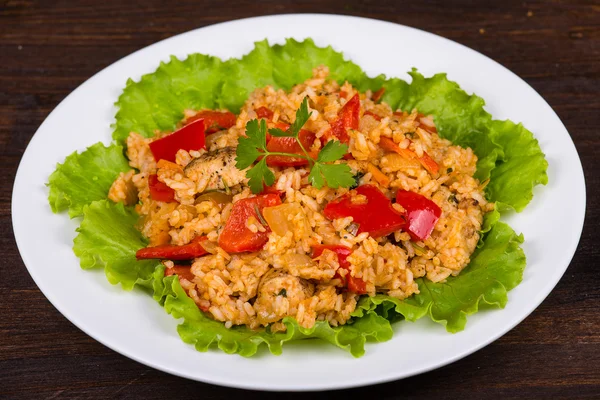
[123, 189]
[283, 279]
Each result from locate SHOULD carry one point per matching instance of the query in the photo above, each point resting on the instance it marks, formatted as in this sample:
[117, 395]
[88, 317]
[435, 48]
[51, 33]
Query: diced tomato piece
[375, 216]
[182, 271]
[343, 94]
[188, 251]
[422, 214]
[159, 191]
[289, 145]
[236, 237]
[378, 95]
[190, 137]
[214, 121]
[356, 285]
[264, 112]
[347, 118]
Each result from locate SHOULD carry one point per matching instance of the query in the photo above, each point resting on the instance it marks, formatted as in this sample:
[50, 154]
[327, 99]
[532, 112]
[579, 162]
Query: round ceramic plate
[132, 324]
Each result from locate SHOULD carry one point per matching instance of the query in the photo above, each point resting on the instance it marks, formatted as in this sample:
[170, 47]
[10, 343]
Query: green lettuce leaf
[496, 267]
[508, 155]
[522, 167]
[108, 238]
[158, 100]
[202, 332]
[507, 151]
[283, 66]
[459, 117]
[85, 177]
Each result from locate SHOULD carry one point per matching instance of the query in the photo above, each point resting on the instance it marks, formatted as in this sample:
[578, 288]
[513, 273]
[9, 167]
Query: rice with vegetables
[372, 200]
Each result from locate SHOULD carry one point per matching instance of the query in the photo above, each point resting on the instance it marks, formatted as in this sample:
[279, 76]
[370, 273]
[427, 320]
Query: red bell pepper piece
[214, 121]
[184, 272]
[342, 252]
[429, 164]
[264, 112]
[190, 137]
[426, 126]
[180, 270]
[236, 237]
[347, 119]
[289, 145]
[378, 95]
[356, 285]
[421, 212]
[426, 161]
[159, 191]
[372, 114]
[388, 145]
[272, 190]
[188, 251]
[375, 216]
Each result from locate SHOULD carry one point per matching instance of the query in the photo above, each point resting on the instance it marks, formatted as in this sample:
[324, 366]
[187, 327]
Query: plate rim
[357, 382]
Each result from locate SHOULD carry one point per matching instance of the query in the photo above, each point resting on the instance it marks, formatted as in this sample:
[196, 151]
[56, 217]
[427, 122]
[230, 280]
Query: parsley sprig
[322, 170]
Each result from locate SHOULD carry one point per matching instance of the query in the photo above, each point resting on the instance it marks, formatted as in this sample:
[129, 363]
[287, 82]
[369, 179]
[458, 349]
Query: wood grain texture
[49, 48]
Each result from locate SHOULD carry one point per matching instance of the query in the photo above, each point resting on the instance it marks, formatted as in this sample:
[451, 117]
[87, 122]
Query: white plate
[132, 324]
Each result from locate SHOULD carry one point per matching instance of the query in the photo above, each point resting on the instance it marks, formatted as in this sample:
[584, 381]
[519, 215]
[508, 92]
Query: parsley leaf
[258, 174]
[254, 146]
[302, 116]
[281, 133]
[333, 150]
[337, 175]
[249, 147]
[315, 177]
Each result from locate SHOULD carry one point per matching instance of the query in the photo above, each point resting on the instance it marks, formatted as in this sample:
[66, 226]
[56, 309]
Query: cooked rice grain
[260, 289]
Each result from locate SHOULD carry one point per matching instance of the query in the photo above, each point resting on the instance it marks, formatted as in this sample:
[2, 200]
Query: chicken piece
[215, 170]
[279, 295]
[222, 139]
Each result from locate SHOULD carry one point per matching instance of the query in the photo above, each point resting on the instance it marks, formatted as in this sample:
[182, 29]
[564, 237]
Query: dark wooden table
[49, 48]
